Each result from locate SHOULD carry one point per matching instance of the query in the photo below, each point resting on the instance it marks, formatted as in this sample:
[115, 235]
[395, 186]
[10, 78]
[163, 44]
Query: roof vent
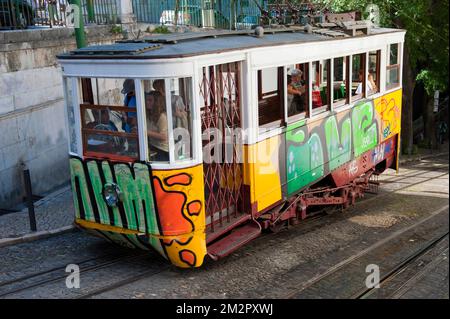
[132, 48]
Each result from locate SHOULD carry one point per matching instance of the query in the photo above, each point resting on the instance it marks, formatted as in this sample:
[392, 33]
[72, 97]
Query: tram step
[237, 238]
[220, 230]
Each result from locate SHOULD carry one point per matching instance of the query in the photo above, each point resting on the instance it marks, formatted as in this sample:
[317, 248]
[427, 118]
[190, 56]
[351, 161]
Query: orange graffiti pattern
[389, 110]
[181, 216]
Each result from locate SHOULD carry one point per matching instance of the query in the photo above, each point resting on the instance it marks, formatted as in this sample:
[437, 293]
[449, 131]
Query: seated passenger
[296, 90]
[129, 119]
[100, 142]
[157, 127]
[101, 121]
[371, 86]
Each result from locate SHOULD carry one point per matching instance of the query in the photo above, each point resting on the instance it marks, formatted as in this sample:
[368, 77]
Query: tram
[192, 144]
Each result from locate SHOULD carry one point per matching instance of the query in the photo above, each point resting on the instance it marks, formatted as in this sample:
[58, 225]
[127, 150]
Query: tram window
[341, 74]
[179, 95]
[297, 90]
[108, 128]
[393, 67]
[112, 92]
[373, 78]
[358, 76]
[102, 138]
[181, 100]
[320, 86]
[270, 97]
[70, 107]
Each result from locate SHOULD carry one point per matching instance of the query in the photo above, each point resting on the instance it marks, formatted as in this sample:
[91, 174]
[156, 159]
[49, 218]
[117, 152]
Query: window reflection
[181, 100]
[163, 123]
[393, 68]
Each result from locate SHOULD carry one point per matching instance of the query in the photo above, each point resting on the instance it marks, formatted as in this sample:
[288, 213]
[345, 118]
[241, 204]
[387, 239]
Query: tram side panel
[159, 209]
[366, 134]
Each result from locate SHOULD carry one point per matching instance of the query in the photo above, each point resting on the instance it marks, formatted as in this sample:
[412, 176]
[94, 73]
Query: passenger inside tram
[129, 119]
[157, 127]
[296, 89]
[317, 87]
[101, 142]
[371, 85]
[101, 121]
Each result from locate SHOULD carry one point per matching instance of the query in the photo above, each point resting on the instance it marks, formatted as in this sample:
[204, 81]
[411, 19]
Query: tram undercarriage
[339, 189]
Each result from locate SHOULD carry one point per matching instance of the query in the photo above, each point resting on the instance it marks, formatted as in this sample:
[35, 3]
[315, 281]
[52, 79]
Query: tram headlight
[112, 194]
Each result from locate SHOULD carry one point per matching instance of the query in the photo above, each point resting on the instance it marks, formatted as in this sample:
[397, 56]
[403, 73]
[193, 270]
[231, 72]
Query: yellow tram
[191, 144]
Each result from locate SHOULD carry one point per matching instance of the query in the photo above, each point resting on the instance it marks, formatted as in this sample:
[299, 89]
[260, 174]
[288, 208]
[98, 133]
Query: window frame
[327, 107]
[87, 131]
[378, 71]
[343, 102]
[390, 67]
[282, 87]
[307, 113]
[141, 135]
[363, 95]
[168, 100]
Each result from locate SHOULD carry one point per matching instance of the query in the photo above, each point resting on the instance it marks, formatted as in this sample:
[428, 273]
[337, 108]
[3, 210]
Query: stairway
[235, 239]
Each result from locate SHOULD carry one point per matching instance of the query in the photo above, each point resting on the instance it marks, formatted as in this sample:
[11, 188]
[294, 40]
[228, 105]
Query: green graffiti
[137, 192]
[97, 188]
[77, 174]
[305, 163]
[365, 132]
[305, 160]
[106, 168]
[339, 146]
[135, 185]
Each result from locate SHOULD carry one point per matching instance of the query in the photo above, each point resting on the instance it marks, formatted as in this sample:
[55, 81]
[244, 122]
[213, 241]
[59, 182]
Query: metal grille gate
[221, 123]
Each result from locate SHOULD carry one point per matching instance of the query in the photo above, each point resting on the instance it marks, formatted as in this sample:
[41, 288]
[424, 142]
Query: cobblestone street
[53, 212]
[324, 257]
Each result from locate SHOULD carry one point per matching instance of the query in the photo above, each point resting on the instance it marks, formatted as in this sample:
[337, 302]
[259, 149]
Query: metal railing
[221, 14]
[21, 14]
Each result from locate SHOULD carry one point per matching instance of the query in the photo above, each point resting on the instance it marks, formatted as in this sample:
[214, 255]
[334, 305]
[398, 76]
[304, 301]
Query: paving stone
[53, 212]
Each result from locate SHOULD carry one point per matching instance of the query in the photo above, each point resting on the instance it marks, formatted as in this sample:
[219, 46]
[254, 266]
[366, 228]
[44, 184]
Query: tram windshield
[109, 118]
[108, 129]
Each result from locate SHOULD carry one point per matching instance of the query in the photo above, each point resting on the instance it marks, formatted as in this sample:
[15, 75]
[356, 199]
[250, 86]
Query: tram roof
[180, 45]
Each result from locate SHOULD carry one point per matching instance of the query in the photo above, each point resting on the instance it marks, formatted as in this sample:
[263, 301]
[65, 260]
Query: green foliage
[427, 37]
[161, 29]
[116, 29]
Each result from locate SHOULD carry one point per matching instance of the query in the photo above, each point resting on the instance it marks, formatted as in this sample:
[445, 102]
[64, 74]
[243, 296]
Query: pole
[30, 204]
[90, 10]
[79, 25]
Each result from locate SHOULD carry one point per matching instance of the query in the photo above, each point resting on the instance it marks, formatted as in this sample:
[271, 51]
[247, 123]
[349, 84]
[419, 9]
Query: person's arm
[293, 91]
[161, 134]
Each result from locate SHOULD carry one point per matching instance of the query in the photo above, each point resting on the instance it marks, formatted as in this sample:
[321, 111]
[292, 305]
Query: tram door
[222, 150]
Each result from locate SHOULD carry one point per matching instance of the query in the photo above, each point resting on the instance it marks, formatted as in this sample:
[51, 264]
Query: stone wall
[32, 123]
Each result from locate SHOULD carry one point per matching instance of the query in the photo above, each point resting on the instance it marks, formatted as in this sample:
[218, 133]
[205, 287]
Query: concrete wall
[32, 124]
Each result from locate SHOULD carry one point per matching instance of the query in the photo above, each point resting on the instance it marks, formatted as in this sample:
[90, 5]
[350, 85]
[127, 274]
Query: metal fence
[20, 14]
[222, 14]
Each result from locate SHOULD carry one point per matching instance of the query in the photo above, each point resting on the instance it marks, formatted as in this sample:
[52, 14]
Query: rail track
[43, 278]
[346, 266]
[366, 293]
[52, 275]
